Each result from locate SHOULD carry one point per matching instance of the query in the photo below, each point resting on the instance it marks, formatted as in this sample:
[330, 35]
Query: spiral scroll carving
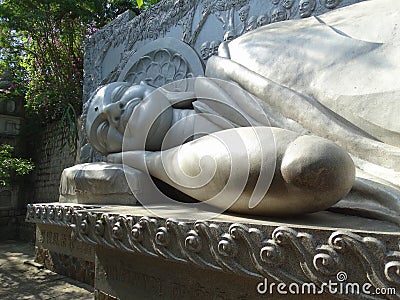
[283, 253]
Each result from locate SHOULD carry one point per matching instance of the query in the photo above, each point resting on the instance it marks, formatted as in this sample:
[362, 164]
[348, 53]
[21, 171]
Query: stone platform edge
[281, 253]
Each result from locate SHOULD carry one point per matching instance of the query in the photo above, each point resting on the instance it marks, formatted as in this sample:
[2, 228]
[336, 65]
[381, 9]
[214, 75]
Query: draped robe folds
[336, 76]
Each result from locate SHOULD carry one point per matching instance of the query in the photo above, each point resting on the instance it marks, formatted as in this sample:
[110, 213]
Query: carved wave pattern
[281, 253]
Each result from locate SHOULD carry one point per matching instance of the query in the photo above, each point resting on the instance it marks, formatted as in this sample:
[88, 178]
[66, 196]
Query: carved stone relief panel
[162, 61]
[202, 24]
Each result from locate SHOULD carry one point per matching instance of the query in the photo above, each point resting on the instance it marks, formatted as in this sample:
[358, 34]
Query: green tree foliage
[10, 165]
[41, 42]
[145, 4]
[44, 39]
[11, 71]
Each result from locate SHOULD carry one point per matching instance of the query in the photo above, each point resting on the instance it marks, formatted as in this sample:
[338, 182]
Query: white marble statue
[336, 76]
[308, 173]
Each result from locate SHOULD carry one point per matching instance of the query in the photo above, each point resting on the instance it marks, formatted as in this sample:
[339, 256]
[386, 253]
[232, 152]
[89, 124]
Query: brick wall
[13, 225]
[50, 160]
[41, 186]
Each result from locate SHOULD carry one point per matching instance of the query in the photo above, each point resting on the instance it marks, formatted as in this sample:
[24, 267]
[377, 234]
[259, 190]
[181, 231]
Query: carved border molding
[282, 253]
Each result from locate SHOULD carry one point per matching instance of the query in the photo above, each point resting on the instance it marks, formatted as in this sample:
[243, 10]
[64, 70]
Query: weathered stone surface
[123, 275]
[97, 183]
[311, 249]
[58, 239]
[55, 249]
[54, 156]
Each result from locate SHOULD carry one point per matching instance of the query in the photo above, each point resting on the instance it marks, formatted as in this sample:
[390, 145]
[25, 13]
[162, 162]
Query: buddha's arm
[151, 118]
[308, 173]
[181, 100]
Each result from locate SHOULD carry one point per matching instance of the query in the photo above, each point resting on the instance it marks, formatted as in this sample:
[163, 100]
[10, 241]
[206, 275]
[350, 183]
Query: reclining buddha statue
[311, 106]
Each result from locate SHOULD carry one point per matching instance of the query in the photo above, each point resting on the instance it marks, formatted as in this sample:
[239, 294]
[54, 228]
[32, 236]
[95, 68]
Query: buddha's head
[330, 3]
[244, 13]
[287, 4]
[278, 14]
[262, 20]
[204, 50]
[306, 7]
[108, 112]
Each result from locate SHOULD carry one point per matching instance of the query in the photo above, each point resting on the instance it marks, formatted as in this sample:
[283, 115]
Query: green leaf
[10, 164]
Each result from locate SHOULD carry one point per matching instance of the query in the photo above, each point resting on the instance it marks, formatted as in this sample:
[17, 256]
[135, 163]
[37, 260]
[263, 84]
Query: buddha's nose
[113, 112]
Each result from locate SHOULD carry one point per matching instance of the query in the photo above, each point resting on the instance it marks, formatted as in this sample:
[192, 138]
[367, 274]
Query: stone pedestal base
[55, 249]
[122, 275]
[141, 255]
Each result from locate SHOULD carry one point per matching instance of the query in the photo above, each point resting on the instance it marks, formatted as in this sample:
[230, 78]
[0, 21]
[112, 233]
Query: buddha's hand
[114, 158]
[134, 159]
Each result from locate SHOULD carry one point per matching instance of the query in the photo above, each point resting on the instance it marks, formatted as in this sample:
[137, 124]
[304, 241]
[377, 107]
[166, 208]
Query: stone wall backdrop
[51, 157]
[12, 205]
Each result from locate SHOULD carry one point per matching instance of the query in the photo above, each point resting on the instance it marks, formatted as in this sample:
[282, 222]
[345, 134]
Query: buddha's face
[204, 51]
[331, 3]
[262, 20]
[244, 13]
[287, 4]
[215, 48]
[278, 14]
[212, 48]
[306, 7]
[109, 112]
